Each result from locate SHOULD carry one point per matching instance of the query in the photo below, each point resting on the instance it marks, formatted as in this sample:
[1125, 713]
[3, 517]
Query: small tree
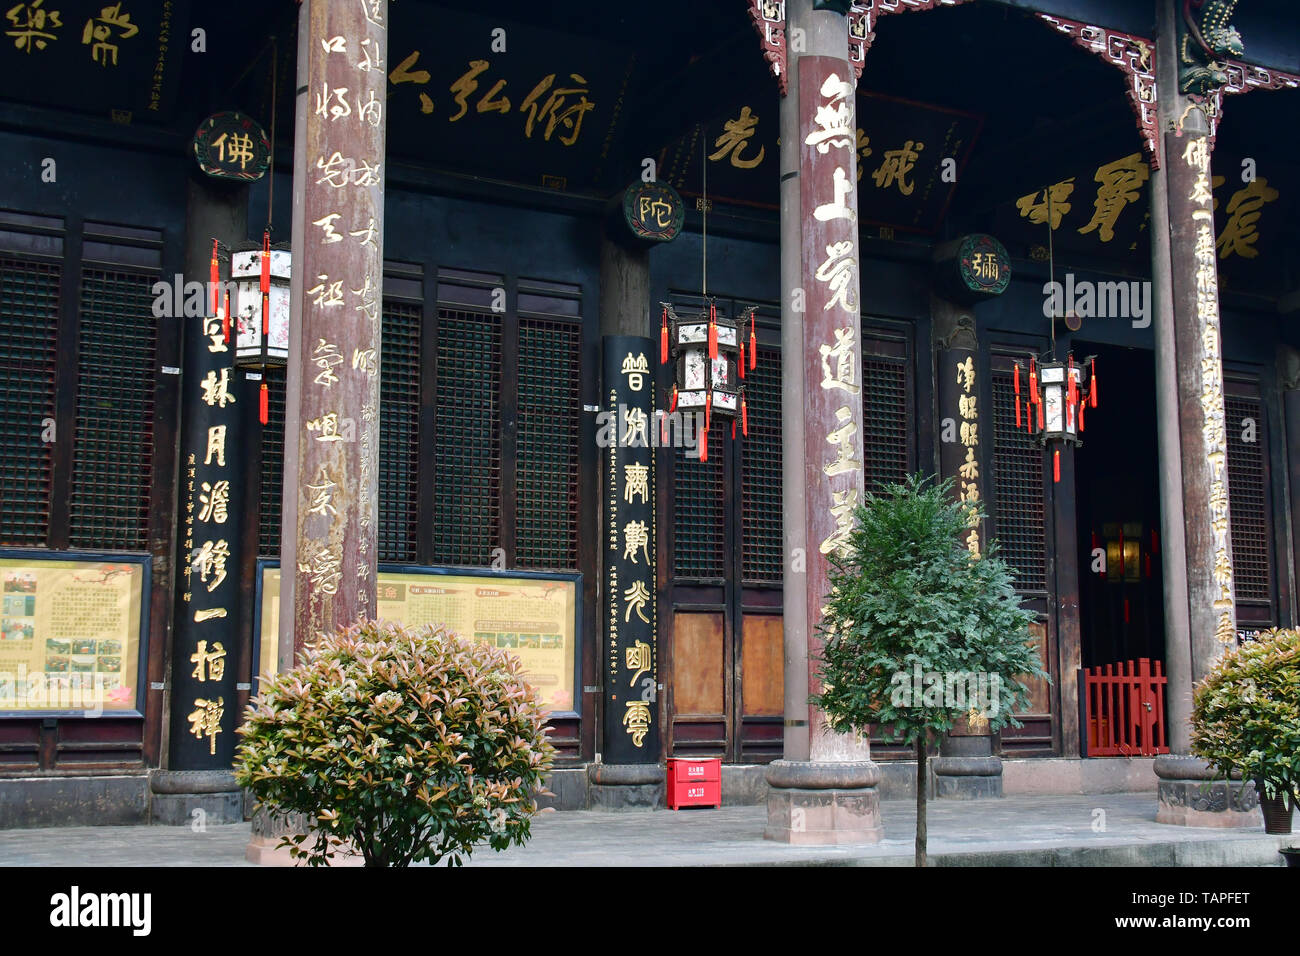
[912, 609]
[1246, 714]
[410, 744]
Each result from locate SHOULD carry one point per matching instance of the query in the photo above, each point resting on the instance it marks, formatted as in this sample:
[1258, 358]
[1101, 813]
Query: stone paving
[1015, 831]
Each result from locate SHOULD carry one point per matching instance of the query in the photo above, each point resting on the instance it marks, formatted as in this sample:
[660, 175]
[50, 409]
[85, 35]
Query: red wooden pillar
[330, 540]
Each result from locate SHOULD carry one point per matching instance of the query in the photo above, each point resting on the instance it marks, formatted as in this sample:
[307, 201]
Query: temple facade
[582, 330]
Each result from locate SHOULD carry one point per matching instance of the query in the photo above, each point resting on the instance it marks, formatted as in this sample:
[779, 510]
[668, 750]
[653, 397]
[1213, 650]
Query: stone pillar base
[1191, 794]
[194, 798]
[966, 768]
[626, 786]
[821, 804]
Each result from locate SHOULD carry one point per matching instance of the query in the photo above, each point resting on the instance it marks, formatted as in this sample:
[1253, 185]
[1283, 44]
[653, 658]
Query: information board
[70, 634]
[534, 617]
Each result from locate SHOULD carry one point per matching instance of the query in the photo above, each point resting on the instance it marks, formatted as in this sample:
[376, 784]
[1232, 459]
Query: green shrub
[410, 744]
[1246, 713]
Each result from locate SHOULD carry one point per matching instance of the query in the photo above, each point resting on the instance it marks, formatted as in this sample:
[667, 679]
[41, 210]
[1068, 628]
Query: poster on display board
[533, 615]
[72, 633]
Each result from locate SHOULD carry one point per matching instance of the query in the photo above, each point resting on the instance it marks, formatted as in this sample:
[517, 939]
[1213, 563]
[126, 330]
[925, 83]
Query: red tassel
[663, 430]
[1017, 381]
[744, 416]
[741, 364]
[733, 429]
[713, 331]
[1033, 383]
[264, 404]
[225, 321]
[1082, 405]
[704, 444]
[214, 277]
[1039, 406]
[663, 339]
[266, 284]
[1092, 385]
[1069, 382]
[753, 343]
[1056, 465]
[1017, 406]
[672, 401]
[708, 409]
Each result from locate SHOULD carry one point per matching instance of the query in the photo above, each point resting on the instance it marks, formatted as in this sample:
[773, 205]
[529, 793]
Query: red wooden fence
[1124, 709]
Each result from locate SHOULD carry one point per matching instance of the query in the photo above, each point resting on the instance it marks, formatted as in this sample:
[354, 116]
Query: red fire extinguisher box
[694, 782]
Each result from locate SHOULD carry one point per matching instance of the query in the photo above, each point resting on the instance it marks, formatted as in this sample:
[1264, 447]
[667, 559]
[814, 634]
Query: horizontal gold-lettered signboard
[534, 617]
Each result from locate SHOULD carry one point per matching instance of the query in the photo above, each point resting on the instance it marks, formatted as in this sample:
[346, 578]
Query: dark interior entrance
[1121, 593]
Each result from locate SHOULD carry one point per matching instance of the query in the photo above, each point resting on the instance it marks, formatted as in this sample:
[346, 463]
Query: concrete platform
[1096, 830]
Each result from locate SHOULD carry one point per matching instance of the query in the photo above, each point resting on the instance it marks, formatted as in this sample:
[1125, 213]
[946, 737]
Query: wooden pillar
[630, 715]
[328, 554]
[1189, 344]
[831, 796]
[1289, 380]
[203, 701]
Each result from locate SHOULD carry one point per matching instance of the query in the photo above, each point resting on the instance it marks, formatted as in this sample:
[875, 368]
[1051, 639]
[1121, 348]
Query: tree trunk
[921, 743]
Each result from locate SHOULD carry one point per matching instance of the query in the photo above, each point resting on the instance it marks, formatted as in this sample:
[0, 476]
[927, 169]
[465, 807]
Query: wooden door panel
[698, 686]
[762, 666]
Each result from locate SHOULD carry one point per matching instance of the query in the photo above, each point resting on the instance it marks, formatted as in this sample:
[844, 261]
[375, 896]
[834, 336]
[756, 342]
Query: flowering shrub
[411, 744]
[1246, 713]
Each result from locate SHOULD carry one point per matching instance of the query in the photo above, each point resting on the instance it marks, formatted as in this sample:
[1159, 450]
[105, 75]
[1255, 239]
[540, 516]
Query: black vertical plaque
[628, 612]
[203, 694]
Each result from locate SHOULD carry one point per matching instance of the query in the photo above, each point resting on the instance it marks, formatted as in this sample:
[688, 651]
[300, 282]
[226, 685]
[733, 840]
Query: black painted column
[198, 785]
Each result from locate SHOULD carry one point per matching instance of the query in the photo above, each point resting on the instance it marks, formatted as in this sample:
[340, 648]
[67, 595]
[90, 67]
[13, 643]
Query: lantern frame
[252, 348]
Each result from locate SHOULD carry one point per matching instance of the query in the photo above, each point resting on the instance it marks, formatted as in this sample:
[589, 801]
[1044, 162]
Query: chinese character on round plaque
[232, 146]
[985, 265]
[653, 211]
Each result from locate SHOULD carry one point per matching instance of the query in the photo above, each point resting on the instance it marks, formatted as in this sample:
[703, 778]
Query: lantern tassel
[1033, 383]
[1039, 406]
[1016, 379]
[225, 321]
[733, 429]
[704, 443]
[1017, 408]
[1092, 385]
[741, 364]
[713, 331]
[744, 416]
[1056, 465]
[753, 343]
[214, 278]
[663, 339]
[708, 410]
[672, 400]
[263, 404]
[266, 284]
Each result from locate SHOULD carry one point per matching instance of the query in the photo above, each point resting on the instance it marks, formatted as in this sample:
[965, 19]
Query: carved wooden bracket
[769, 21]
[1136, 57]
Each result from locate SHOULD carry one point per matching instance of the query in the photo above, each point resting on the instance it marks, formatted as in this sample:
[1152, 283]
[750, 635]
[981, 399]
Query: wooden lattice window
[886, 422]
[29, 310]
[467, 464]
[1020, 518]
[399, 430]
[1248, 498]
[761, 511]
[546, 518]
[112, 469]
[272, 464]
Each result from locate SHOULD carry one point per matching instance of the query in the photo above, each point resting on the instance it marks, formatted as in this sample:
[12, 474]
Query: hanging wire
[270, 174]
[1051, 270]
[704, 209]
